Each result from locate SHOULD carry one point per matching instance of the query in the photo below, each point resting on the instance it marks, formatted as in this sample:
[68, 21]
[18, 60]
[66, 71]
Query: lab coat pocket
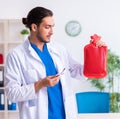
[32, 103]
[31, 76]
[31, 112]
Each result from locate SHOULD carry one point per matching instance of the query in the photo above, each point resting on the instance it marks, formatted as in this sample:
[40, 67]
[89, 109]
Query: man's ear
[34, 27]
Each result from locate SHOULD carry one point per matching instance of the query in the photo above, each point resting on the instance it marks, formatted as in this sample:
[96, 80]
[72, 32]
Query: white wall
[95, 16]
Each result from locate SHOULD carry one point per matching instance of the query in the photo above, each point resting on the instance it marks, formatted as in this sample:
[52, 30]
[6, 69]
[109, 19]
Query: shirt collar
[51, 47]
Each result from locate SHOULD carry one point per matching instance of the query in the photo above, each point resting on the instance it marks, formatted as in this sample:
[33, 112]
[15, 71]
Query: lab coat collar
[51, 47]
[29, 49]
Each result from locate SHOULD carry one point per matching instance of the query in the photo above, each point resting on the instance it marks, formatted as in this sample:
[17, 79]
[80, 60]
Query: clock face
[73, 28]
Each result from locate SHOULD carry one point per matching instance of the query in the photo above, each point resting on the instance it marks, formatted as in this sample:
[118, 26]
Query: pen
[61, 73]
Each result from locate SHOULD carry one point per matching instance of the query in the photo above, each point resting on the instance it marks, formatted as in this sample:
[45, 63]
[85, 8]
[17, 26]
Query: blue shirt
[55, 98]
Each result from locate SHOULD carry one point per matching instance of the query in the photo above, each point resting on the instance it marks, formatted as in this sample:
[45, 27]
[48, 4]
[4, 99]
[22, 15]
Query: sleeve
[75, 68]
[14, 89]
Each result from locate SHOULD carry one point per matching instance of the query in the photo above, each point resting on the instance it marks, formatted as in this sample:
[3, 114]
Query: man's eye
[47, 27]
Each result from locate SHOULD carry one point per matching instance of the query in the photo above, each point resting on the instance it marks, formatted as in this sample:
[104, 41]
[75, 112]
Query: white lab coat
[24, 67]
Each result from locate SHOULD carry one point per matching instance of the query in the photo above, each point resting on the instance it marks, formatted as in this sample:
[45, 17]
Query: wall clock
[73, 28]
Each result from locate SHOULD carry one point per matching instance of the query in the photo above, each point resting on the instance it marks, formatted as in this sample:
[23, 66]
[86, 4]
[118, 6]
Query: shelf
[10, 29]
[3, 29]
[17, 26]
[2, 88]
[13, 111]
[10, 37]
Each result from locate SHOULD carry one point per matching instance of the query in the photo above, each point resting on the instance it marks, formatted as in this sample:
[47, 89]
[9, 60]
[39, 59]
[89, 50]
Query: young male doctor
[33, 72]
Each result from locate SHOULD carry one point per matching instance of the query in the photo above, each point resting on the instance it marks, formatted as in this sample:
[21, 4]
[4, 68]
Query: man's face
[45, 29]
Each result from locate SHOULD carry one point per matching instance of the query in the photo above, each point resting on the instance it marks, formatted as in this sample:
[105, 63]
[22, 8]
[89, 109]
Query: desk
[99, 116]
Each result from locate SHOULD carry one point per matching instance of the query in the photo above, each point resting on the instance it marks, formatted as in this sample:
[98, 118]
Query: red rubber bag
[1, 59]
[95, 59]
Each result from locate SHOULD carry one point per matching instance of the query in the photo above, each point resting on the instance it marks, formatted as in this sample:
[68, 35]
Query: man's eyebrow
[50, 25]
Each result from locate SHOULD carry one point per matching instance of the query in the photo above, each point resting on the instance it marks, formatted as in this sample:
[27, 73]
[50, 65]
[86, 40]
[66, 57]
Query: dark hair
[35, 16]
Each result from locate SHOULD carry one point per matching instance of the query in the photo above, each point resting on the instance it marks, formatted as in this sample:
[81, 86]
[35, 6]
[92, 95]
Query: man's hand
[46, 82]
[100, 43]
